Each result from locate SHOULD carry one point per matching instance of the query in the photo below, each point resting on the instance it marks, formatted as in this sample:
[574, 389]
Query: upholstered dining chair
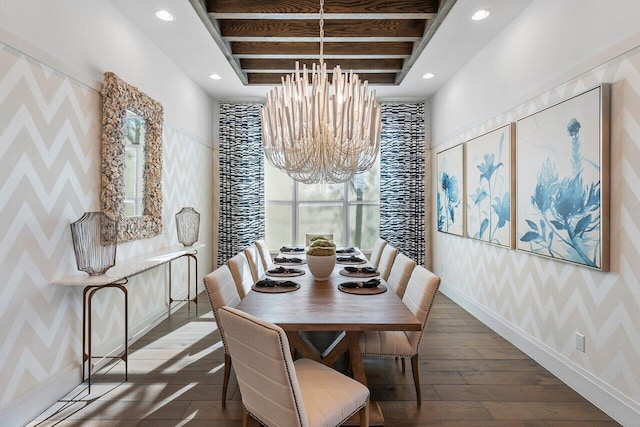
[386, 260]
[264, 253]
[276, 390]
[421, 291]
[241, 272]
[400, 272]
[376, 252]
[222, 291]
[255, 261]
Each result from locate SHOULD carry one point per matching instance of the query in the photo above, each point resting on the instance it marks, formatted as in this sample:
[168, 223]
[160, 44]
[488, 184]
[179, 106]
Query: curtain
[402, 174]
[241, 179]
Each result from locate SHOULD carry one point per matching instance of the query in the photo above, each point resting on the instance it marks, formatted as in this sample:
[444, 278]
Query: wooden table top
[321, 306]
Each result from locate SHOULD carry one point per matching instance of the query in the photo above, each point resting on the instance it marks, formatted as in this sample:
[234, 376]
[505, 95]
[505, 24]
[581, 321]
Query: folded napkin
[288, 260]
[346, 251]
[373, 283]
[351, 258]
[283, 270]
[271, 283]
[288, 249]
[369, 270]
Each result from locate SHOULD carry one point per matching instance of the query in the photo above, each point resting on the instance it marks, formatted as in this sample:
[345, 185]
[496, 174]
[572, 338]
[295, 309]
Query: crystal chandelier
[319, 132]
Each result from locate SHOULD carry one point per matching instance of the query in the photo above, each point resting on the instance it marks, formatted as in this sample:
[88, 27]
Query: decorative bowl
[321, 267]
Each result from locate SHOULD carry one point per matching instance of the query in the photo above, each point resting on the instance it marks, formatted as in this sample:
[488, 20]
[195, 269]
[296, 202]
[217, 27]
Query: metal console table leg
[87, 353]
[188, 299]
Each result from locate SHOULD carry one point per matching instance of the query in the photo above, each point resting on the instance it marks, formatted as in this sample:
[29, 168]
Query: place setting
[367, 271]
[291, 250]
[270, 286]
[289, 261]
[370, 287]
[347, 251]
[350, 260]
[281, 271]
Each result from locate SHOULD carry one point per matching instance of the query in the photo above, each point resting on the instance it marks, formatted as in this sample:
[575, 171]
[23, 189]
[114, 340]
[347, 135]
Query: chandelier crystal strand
[321, 132]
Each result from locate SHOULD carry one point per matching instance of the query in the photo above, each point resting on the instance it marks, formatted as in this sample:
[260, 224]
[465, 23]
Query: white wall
[52, 56]
[553, 50]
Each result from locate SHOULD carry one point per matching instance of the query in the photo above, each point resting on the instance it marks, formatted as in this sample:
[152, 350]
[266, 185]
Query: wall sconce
[188, 226]
[95, 238]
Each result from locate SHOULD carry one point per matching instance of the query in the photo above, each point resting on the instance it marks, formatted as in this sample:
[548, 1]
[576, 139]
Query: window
[351, 211]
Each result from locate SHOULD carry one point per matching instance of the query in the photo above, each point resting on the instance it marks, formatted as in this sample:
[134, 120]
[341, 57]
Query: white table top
[128, 267]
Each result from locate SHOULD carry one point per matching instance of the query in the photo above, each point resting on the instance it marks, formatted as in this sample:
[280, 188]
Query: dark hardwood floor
[470, 377]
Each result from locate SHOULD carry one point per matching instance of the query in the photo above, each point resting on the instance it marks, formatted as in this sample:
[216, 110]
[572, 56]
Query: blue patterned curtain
[402, 169]
[241, 179]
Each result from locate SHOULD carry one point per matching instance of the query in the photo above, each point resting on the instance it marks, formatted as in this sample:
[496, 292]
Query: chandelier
[321, 132]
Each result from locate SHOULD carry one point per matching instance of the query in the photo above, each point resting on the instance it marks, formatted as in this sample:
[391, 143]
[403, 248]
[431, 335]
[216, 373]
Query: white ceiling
[188, 43]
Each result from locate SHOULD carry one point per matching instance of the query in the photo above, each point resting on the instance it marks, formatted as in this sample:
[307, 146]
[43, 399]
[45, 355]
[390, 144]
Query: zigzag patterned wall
[49, 176]
[548, 300]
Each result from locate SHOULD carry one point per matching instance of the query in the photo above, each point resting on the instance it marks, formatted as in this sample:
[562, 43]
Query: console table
[116, 278]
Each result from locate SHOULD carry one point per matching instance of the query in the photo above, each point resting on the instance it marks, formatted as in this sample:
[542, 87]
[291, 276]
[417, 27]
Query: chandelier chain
[321, 32]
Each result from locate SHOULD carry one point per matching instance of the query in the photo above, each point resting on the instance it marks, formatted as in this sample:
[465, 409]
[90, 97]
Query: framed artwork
[450, 197]
[489, 186]
[563, 180]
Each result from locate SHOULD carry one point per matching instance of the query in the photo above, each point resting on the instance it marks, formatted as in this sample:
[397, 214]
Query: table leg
[189, 299]
[87, 353]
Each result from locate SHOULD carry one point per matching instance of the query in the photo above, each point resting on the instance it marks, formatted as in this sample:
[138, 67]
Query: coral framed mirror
[131, 159]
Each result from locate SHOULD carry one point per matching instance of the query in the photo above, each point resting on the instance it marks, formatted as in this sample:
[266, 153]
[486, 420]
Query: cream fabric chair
[241, 272]
[222, 291]
[386, 260]
[400, 272]
[279, 392]
[264, 253]
[418, 298]
[376, 252]
[255, 262]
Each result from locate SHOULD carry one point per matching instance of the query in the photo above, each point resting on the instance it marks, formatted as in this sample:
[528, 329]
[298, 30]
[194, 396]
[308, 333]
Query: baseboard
[23, 411]
[615, 404]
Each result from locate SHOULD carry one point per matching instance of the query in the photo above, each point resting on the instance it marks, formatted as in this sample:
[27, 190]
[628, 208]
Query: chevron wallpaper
[49, 176]
[547, 301]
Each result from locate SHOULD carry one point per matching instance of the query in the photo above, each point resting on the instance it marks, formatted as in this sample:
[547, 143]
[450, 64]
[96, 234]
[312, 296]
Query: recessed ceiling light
[164, 15]
[428, 76]
[214, 76]
[480, 14]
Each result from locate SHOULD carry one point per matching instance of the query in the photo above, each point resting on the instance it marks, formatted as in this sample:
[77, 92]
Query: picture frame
[490, 185]
[562, 182]
[450, 196]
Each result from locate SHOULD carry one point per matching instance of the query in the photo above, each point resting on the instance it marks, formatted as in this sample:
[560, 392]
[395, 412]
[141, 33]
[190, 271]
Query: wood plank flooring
[470, 377]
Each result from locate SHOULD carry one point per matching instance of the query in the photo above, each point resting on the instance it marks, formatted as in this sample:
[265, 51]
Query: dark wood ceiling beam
[345, 64]
[327, 16]
[380, 48]
[338, 28]
[276, 79]
[330, 6]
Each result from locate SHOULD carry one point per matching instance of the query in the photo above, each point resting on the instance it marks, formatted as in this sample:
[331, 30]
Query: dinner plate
[344, 262]
[276, 289]
[289, 264]
[380, 289]
[291, 250]
[343, 251]
[289, 272]
[358, 273]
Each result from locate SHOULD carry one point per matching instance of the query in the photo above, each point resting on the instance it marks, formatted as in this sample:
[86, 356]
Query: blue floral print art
[449, 199]
[560, 199]
[489, 187]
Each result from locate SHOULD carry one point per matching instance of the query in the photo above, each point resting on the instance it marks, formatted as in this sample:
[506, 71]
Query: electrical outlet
[579, 342]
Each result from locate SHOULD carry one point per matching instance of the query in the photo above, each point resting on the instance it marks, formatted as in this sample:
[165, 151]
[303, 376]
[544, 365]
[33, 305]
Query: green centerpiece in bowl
[321, 258]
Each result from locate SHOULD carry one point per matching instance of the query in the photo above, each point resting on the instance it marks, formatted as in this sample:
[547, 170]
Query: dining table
[327, 306]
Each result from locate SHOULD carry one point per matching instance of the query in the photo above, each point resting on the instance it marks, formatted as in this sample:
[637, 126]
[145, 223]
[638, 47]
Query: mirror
[131, 159]
[134, 135]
